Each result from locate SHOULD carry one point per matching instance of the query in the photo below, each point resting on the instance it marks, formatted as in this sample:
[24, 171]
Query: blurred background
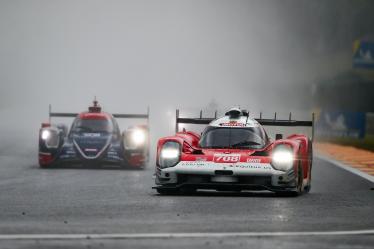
[266, 56]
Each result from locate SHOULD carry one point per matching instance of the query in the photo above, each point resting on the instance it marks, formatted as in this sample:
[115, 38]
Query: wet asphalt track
[102, 201]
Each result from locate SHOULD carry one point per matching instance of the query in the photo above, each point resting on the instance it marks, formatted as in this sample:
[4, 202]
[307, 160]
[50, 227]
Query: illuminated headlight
[282, 158]
[45, 134]
[170, 154]
[138, 137]
[50, 137]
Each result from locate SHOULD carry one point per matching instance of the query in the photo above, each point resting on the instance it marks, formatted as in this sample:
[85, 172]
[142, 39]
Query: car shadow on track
[259, 194]
[89, 167]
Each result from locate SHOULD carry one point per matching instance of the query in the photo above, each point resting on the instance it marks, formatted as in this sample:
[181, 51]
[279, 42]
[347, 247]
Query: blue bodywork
[94, 147]
[94, 138]
[85, 145]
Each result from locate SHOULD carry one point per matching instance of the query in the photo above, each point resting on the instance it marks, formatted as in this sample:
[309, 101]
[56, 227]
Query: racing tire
[163, 191]
[300, 178]
[308, 187]
[310, 159]
[299, 186]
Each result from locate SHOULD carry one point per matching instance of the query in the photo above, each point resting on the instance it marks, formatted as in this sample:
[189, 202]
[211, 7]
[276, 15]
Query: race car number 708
[224, 158]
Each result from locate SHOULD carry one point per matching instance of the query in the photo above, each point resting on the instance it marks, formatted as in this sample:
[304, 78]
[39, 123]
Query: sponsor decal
[226, 166]
[226, 158]
[233, 124]
[201, 159]
[91, 134]
[249, 166]
[254, 160]
[193, 163]
[90, 150]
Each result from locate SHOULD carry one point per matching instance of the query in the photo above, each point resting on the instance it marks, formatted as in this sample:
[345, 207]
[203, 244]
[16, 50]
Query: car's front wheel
[310, 159]
[299, 185]
[309, 184]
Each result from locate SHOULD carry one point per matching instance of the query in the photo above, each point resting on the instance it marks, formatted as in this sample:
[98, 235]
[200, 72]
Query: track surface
[102, 201]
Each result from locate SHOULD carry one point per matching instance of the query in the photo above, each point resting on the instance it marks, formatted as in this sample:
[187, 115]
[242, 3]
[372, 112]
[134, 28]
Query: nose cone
[91, 145]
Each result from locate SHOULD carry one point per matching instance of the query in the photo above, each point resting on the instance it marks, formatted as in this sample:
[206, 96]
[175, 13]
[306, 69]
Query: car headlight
[50, 137]
[138, 137]
[45, 134]
[169, 155]
[282, 158]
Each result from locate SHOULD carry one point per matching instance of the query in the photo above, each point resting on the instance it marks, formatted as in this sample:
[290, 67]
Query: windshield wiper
[245, 143]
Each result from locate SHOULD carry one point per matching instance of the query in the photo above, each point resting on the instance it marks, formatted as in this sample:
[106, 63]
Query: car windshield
[92, 126]
[225, 137]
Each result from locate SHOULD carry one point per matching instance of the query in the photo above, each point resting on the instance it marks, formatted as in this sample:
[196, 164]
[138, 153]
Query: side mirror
[278, 136]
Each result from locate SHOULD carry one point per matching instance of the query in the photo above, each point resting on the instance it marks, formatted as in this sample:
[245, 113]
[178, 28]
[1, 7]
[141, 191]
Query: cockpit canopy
[235, 138]
[81, 125]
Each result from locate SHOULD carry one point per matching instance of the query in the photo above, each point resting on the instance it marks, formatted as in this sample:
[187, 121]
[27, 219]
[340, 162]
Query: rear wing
[265, 122]
[200, 120]
[116, 115]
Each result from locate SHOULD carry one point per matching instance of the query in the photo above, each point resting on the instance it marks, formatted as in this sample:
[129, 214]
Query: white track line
[178, 235]
[346, 167]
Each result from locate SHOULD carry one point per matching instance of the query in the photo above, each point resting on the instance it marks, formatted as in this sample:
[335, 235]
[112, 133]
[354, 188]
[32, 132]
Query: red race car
[234, 153]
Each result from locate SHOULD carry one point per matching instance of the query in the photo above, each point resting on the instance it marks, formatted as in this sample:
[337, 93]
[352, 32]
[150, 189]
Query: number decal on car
[225, 158]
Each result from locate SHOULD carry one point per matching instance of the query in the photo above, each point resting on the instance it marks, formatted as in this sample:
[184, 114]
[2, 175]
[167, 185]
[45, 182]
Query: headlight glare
[45, 134]
[169, 155]
[50, 137]
[282, 158]
[138, 137]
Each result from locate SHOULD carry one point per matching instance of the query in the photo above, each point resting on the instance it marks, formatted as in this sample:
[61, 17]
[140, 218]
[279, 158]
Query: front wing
[223, 176]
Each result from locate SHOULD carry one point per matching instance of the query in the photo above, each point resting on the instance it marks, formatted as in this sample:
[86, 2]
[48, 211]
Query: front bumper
[80, 161]
[239, 176]
[112, 156]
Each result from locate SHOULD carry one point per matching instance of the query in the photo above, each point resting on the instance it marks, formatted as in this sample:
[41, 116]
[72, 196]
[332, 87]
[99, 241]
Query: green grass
[367, 143]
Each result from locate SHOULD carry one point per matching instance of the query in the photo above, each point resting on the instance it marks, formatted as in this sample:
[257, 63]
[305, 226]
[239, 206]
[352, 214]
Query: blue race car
[94, 139]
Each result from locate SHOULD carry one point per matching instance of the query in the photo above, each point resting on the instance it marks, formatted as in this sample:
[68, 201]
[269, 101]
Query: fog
[261, 55]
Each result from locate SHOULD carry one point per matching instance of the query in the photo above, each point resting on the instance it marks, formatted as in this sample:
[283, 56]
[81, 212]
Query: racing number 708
[227, 158]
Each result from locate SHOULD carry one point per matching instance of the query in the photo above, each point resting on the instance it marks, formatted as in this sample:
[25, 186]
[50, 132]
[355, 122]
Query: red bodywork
[97, 116]
[45, 158]
[191, 151]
